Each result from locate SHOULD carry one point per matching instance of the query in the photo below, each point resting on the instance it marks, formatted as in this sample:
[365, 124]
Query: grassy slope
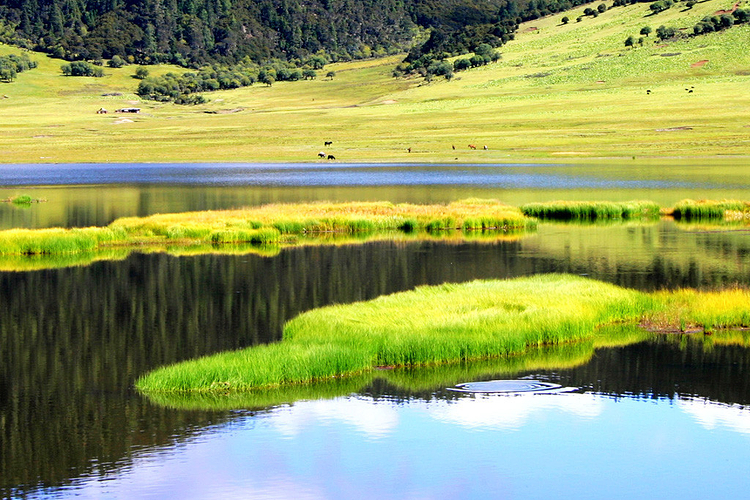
[592, 104]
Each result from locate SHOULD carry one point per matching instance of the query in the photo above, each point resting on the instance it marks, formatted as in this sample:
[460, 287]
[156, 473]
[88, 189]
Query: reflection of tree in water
[74, 340]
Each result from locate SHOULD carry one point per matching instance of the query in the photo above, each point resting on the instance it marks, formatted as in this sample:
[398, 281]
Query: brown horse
[471, 146]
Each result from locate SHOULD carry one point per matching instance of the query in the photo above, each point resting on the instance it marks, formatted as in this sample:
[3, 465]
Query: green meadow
[560, 92]
[449, 323]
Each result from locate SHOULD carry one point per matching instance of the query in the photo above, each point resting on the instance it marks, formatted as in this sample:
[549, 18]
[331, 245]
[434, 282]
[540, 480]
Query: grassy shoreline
[447, 324]
[269, 225]
[284, 224]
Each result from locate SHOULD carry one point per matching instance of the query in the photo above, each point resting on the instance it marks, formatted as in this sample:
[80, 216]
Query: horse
[327, 143]
[471, 146]
[408, 150]
[485, 147]
[321, 155]
[331, 157]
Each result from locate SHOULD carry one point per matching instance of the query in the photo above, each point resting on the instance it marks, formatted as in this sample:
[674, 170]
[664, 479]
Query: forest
[193, 33]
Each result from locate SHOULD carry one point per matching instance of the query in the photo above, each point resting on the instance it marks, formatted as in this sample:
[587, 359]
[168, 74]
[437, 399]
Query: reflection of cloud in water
[511, 412]
[375, 420]
[712, 415]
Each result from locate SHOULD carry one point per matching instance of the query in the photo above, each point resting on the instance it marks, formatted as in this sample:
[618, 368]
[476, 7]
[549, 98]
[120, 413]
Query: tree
[331, 74]
[461, 64]
[309, 74]
[646, 30]
[565, 20]
[630, 41]
[601, 8]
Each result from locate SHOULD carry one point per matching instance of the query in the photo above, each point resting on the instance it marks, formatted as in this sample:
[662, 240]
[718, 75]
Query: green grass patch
[591, 210]
[450, 323]
[732, 210]
[427, 326]
[268, 224]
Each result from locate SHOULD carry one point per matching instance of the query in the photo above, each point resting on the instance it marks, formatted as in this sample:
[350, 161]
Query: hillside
[559, 92]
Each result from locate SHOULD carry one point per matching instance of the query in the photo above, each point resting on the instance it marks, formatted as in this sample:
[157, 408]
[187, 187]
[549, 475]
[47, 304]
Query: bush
[81, 68]
[565, 20]
[116, 62]
[646, 30]
[141, 73]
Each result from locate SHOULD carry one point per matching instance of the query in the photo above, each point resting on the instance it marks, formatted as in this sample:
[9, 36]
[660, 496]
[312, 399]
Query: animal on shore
[327, 143]
[485, 147]
[408, 150]
[321, 155]
[331, 157]
[454, 147]
[471, 146]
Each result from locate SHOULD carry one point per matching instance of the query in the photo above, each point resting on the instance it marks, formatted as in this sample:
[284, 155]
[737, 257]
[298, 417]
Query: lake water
[665, 416]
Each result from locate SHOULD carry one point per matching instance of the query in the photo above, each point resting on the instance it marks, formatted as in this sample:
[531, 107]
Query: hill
[560, 91]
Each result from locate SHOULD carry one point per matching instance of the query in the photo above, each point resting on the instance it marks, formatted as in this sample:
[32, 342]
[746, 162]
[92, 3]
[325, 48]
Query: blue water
[507, 176]
[584, 446]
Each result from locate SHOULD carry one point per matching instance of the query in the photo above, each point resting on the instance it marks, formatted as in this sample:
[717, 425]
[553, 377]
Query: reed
[427, 326]
[591, 210]
[271, 224]
[711, 209]
[690, 310]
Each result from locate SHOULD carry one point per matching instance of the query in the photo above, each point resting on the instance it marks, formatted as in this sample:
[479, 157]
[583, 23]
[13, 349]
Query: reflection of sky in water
[505, 176]
[532, 446]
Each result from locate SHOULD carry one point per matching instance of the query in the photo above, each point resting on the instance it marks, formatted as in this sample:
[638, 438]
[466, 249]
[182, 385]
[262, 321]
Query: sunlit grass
[687, 309]
[270, 225]
[559, 92]
[427, 326]
[591, 210]
[730, 210]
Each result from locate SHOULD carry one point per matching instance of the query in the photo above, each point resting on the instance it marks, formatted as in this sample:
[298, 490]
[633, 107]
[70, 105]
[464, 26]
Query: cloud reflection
[712, 415]
[373, 419]
[512, 412]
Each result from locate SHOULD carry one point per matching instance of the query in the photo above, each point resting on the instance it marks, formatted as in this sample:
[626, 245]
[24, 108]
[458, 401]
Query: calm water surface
[664, 416]
[96, 194]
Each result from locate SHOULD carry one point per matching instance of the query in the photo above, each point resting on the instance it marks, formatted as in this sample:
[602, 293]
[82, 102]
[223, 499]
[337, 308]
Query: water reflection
[74, 340]
[82, 195]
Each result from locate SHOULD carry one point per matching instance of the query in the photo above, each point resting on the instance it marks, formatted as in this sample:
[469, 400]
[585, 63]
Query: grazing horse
[331, 157]
[327, 143]
[471, 146]
[321, 155]
[408, 150]
[485, 147]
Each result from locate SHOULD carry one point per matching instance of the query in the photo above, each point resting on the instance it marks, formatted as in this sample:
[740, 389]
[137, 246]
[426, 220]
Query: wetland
[76, 336]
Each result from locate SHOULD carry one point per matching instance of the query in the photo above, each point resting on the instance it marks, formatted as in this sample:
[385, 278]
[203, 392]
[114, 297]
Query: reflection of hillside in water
[75, 339]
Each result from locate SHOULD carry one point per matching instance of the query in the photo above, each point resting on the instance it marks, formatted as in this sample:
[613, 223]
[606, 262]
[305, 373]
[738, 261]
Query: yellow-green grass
[729, 210]
[591, 103]
[424, 379]
[690, 310]
[427, 326]
[269, 224]
[591, 210]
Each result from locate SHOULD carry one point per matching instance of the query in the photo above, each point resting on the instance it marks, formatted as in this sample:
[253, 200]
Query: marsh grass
[591, 210]
[430, 325]
[270, 225]
[730, 210]
[689, 310]
[454, 323]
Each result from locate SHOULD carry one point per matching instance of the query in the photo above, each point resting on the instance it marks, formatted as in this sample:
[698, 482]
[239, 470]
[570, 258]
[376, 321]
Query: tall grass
[689, 309]
[271, 224]
[711, 209]
[430, 325]
[591, 210]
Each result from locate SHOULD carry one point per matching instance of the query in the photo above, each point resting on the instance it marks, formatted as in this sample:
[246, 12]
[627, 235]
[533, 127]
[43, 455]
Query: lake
[656, 415]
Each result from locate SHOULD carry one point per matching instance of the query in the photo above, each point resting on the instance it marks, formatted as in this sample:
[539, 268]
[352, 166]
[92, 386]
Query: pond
[656, 415]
